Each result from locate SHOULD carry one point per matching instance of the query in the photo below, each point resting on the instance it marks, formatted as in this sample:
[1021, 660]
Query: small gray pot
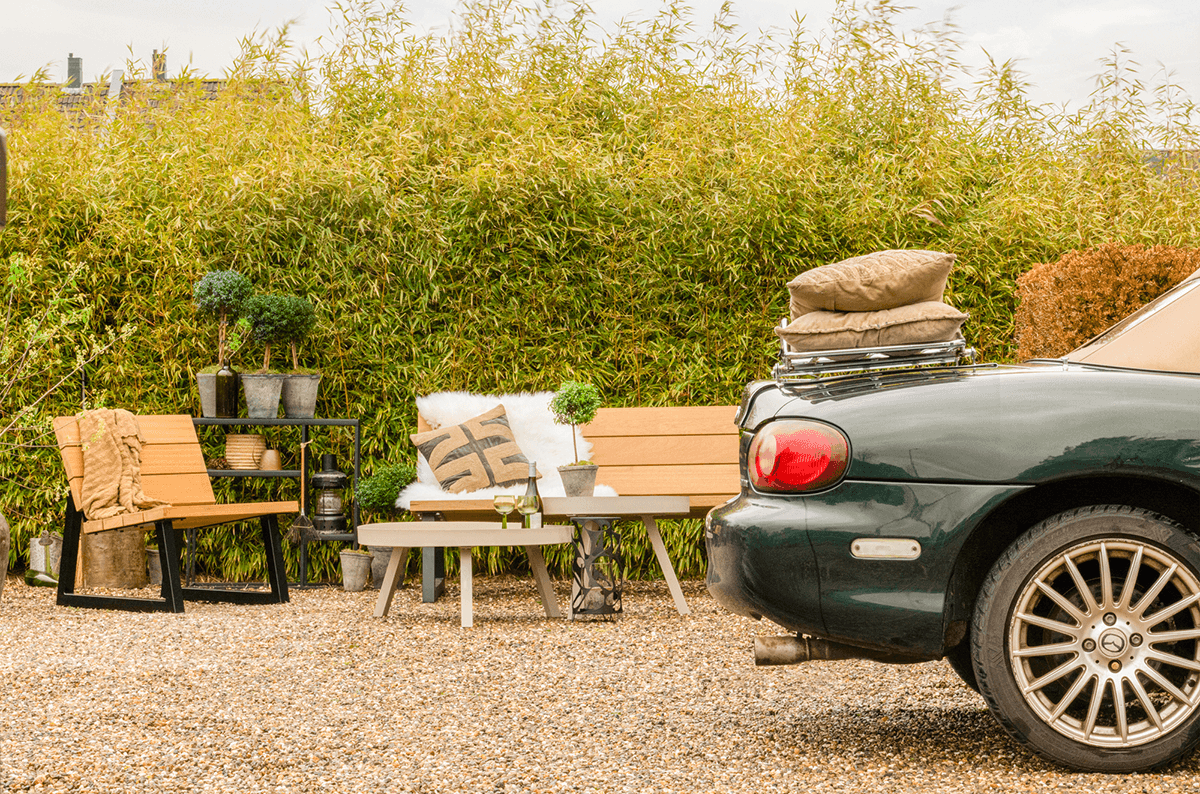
[206, 384]
[154, 567]
[578, 480]
[300, 396]
[262, 392]
[355, 567]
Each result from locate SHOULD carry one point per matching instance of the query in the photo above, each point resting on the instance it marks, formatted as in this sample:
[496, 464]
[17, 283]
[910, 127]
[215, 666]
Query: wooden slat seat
[173, 471]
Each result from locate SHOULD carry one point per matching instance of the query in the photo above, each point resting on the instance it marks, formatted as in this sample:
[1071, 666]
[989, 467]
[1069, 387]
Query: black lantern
[328, 484]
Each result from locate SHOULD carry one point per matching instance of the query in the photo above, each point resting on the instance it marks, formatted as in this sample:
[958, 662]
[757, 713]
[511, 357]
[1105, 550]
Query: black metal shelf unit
[304, 425]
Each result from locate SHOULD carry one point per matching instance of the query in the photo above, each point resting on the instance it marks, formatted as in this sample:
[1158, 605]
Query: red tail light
[797, 455]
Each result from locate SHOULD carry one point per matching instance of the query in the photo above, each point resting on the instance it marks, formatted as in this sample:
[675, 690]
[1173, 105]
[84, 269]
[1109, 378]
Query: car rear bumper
[790, 559]
[761, 564]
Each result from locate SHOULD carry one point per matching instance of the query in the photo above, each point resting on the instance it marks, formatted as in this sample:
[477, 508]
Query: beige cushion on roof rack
[872, 282]
[918, 323]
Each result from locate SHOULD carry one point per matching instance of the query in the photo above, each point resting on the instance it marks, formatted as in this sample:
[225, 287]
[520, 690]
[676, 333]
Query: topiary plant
[222, 294]
[575, 404]
[269, 322]
[299, 321]
[378, 492]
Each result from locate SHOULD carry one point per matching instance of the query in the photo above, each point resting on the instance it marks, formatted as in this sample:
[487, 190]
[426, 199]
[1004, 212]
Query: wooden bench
[403, 536]
[173, 471]
[687, 451]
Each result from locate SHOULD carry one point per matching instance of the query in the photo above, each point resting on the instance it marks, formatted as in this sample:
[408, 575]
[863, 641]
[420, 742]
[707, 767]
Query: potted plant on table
[268, 316]
[376, 494]
[220, 293]
[576, 404]
[299, 386]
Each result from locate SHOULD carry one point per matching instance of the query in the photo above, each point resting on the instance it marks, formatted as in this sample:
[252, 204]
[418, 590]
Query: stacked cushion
[879, 299]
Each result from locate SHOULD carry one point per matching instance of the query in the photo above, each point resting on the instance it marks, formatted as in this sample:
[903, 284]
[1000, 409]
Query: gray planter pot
[262, 392]
[300, 396]
[154, 567]
[578, 480]
[355, 567]
[383, 555]
[206, 384]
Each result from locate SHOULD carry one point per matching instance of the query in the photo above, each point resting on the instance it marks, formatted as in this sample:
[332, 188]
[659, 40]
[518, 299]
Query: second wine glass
[527, 506]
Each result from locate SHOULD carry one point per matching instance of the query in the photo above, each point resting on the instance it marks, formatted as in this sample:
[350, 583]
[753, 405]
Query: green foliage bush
[301, 319]
[223, 294]
[575, 404]
[520, 200]
[378, 492]
[271, 322]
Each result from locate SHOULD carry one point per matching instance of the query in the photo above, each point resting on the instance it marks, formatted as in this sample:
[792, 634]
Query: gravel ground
[317, 695]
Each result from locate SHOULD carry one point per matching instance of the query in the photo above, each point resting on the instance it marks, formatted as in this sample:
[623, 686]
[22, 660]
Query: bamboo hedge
[527, 198]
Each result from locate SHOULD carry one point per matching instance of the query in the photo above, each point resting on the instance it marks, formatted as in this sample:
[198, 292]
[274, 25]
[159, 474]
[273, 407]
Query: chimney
[160, 65]
[74, 72]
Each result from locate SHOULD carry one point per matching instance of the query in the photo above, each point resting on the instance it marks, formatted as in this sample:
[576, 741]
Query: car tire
[959, 658]
[1086, 639]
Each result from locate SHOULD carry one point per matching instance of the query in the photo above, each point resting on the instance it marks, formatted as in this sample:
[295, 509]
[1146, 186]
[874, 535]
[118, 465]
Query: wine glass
[527, 505]
[504, 504]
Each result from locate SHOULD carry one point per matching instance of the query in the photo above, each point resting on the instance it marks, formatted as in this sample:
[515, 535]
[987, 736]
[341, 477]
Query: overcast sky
[1059, 43]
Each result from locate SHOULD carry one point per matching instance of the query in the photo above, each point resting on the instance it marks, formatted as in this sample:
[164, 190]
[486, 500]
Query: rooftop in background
[90, 100]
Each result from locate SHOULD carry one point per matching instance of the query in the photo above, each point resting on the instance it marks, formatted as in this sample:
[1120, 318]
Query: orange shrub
[1063, 304]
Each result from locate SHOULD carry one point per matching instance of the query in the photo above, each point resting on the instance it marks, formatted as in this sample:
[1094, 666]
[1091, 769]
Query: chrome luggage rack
[816, 365]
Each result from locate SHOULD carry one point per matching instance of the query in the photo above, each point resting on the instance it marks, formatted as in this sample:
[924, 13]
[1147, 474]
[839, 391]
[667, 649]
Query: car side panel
[896, 604]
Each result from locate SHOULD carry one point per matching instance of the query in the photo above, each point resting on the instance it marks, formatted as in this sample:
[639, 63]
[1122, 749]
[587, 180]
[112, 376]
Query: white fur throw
[544, 442]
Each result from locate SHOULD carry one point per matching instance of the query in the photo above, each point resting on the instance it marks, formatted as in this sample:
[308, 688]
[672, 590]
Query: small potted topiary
[576, 404]
[268, 316]
[299, 386]
[220, 293]
[376, 495]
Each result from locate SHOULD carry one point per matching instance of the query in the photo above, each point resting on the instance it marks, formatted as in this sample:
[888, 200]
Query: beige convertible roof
[1162, 335]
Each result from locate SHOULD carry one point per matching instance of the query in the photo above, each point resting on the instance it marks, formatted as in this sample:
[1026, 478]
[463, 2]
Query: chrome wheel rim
[1104, 643]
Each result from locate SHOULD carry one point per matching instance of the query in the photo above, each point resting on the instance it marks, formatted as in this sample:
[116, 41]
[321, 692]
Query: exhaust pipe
[796, 649]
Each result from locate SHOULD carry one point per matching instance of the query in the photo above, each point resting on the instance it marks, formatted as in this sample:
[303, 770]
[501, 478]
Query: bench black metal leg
[168, 558]
[69, 563]
[69, 560]
[433, 567]
[276, 574]
[276, 570]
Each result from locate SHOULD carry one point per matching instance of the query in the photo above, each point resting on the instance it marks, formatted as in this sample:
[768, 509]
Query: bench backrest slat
[674, 451]
[692, 420]
[173, 468]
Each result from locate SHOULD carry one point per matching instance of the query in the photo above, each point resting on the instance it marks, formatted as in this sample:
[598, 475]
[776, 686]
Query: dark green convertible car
[1037, 525]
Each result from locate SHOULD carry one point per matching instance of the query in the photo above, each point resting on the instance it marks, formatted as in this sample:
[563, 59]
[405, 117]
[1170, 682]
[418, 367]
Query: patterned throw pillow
[479, 453]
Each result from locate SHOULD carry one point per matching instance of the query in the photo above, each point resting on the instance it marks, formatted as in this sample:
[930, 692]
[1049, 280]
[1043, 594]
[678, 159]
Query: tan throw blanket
[112, 464]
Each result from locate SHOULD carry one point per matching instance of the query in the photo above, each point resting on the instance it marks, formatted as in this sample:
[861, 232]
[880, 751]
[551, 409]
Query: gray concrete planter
[262, 392]
[578, 480]
[356, 565]
[300, 396]
[206, 384]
